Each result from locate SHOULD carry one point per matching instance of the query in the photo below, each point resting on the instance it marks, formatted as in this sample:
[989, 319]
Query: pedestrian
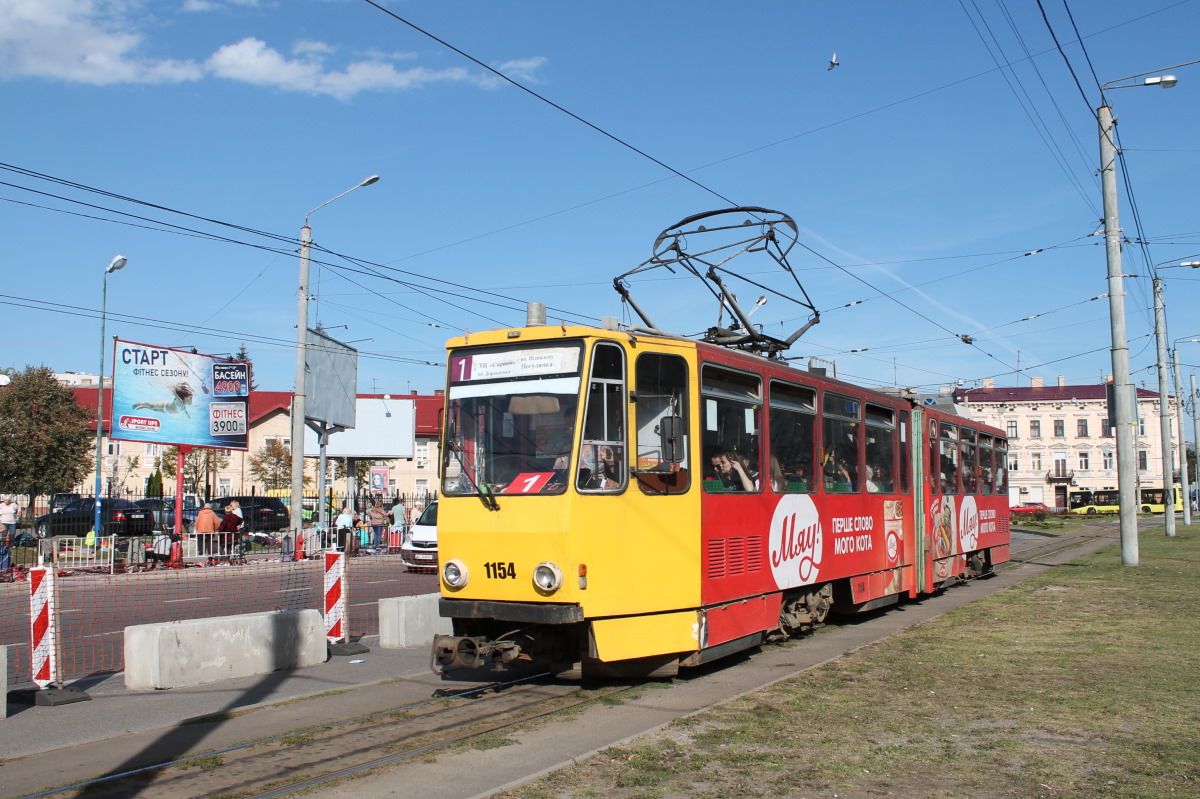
[377, 519]
[205, 528]
[10, 511]
[344, 524]
[231, 522]
[160, 550]
[398, 516]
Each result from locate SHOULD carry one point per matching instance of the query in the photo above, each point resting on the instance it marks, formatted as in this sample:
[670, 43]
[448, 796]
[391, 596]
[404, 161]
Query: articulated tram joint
[471, 652]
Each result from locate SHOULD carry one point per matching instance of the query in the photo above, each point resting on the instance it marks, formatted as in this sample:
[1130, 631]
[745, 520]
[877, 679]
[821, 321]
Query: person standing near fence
[10, 511]
[160, 551]
[205, 528]
[230, 524]
[377, 518]
[344, 524]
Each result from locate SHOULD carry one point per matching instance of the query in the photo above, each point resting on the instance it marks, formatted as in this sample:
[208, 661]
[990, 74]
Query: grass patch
[295, 740]
[1078, 682]
[204, 763]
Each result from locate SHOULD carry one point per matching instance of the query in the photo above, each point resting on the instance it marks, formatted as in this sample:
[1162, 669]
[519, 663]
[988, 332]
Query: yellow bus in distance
[1108, 500]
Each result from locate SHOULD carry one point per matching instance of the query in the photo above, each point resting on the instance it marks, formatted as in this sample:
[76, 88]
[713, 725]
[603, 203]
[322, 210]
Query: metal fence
[103, 589]
[38, 505]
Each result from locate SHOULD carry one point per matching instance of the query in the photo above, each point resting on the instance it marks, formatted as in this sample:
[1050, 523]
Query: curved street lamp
[298, 398]
[1123, 390]
[117, 263]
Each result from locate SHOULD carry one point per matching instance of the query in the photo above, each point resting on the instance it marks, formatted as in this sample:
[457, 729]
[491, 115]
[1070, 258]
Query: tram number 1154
[500, 571]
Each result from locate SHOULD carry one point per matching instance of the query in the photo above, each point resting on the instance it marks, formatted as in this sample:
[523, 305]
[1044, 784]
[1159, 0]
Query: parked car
[261, 514]
[419, 547]
[117, 517]
[164, 512]
[60, 501]
[1030, 510]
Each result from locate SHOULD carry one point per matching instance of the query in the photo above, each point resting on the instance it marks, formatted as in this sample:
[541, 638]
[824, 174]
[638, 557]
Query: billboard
[385, 428]
[332, 380]
[166, 396]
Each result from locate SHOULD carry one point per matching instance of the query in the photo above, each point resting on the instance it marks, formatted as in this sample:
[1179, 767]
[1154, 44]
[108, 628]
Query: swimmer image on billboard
[168, 396]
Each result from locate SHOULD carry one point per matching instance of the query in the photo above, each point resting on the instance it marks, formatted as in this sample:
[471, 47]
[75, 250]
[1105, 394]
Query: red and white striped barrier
[41, 622]
[335, 597]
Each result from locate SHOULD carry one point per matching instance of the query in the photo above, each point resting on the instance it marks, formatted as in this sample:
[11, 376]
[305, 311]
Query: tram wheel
[819, 602]
[1091, 511]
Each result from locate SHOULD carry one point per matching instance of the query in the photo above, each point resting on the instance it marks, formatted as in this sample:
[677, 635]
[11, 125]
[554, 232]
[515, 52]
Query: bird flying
[833, 62]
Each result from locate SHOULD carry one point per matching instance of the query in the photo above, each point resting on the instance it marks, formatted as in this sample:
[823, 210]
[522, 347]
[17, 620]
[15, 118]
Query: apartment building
[1059, 436]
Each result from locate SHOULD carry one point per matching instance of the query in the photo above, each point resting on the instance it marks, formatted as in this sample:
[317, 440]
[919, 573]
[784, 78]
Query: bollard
[43, 619]
[335, 606]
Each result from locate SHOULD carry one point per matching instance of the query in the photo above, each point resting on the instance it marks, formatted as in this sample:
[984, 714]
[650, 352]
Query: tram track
[1053, 544]
[282, 764]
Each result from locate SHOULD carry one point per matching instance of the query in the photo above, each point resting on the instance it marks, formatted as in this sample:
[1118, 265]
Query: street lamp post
[1124, 397]
[117, 262]
[298, 401]
[1160, 335]
[1164, 403]
[1183, 465]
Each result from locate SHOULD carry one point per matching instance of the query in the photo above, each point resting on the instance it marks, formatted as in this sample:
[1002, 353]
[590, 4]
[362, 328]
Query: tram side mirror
[670, 438]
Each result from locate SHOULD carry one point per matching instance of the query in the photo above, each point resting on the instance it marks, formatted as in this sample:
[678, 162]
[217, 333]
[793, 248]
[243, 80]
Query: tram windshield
[510, 420]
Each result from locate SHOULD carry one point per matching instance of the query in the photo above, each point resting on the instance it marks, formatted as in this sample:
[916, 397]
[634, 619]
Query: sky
[943, 177]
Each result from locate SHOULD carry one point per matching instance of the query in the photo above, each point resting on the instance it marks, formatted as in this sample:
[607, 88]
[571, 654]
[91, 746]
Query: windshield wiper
[485, 494]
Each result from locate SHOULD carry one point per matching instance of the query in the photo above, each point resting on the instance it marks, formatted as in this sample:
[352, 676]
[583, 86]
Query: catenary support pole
[1122, 386]
[1164, 409]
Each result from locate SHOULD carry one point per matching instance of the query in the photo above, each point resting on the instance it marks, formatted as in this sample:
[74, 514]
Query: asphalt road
[94, 610]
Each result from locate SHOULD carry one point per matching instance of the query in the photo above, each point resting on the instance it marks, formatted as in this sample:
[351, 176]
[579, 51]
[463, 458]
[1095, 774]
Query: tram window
[948, 459]
[931, 468]
[985, 464]
[880, 450]
[840, 445]
[602, 454]
[969, 463]
[793, 425]
[730, 434]
[1000, 473]
[905, 471]
[661, 394]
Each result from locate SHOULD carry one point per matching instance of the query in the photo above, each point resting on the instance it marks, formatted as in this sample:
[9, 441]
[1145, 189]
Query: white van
[419, 549]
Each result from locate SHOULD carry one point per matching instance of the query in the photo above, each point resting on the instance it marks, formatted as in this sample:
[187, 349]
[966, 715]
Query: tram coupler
[471, 652]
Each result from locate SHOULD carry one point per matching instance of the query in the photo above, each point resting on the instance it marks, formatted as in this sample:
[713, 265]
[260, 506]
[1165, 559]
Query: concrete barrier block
[198, 651]
[410, 621]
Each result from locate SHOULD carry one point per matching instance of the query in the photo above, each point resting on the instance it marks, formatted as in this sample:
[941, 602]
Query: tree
[196, 465]
[272, 466]
[243, 354]
[121, 472]
[45, 443]
[154, 486]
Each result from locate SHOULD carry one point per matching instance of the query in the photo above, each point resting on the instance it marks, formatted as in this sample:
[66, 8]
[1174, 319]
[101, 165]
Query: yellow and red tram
[624, 504]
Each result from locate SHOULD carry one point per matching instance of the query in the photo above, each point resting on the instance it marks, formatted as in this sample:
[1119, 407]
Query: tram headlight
[547, 577]
[454, 573]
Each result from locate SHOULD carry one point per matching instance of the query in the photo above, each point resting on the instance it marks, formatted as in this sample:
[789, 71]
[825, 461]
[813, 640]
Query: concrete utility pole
[1122, 387]
[1187, 496]
[1183, 466]
[299, 397]
[1164, 408]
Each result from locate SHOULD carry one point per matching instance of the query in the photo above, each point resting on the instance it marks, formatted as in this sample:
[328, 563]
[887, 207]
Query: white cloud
[213, 5]
[78, 41]
[97, 42]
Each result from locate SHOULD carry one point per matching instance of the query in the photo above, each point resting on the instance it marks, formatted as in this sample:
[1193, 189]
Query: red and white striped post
[43, 632]
[42, 617]
[335, 597]
[336, 632]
